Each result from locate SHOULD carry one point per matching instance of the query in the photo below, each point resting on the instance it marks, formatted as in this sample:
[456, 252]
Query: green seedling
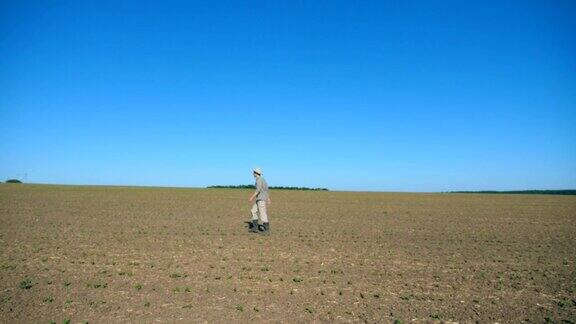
[125, 273]
[97, 285]
[26, 284]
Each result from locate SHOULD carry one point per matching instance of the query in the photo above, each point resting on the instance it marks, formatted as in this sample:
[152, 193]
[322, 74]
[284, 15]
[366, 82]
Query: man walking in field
[260, 197]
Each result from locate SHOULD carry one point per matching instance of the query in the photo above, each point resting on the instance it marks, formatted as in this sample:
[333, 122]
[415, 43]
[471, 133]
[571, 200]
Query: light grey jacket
[262, 188]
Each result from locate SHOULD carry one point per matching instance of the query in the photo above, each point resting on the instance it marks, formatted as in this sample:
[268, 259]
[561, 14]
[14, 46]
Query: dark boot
[254, 226]
[265, 228]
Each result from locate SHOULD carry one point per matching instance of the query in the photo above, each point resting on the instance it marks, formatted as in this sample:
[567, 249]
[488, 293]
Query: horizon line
[519, 191]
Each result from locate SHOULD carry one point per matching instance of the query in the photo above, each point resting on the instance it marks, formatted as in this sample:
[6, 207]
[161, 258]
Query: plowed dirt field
[119, 254]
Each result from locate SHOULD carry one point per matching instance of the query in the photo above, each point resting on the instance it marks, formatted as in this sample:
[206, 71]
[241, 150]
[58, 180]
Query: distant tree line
[276, 187]
[13, 181]
[533, 192]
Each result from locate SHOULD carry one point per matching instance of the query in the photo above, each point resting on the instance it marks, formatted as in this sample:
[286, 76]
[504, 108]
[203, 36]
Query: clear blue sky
[349, 95]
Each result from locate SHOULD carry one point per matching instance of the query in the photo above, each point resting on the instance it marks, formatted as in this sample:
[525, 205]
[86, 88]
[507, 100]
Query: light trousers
[259, 211]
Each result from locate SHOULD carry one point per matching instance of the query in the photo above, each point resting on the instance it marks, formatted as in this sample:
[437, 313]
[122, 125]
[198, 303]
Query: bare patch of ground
[102, 254]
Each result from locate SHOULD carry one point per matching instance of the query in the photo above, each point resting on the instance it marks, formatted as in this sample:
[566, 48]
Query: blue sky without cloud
[349, 95]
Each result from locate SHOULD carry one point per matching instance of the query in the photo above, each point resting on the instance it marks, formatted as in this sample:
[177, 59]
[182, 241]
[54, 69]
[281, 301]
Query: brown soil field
[127, 254]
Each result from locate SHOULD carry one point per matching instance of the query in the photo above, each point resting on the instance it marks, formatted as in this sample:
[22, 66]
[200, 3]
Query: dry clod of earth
[120, 254]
